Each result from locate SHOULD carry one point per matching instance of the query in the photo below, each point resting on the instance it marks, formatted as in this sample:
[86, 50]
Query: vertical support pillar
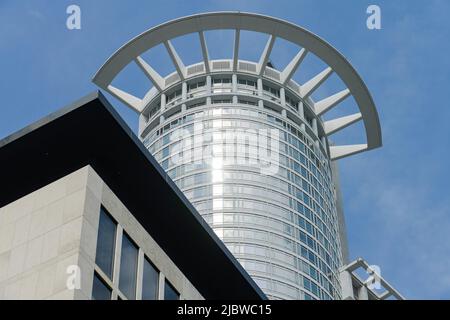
[283, 97]
[118, 254]
[363, 294]
[301, 110]
[162, 281]
[184, 91]
[140, 274]
[260, 87]
[208, 84]
[234, 82]
[314, 126]
[208, 90]
[163, 102]
[303, 127]
[345, 279]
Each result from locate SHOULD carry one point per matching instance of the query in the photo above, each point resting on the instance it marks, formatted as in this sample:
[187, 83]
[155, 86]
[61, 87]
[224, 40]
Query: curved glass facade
[277, 214]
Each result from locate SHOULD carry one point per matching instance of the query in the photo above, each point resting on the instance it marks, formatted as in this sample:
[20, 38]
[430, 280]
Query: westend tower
[248, 146]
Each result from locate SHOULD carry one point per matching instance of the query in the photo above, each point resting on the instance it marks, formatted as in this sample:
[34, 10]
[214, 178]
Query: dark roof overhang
[91, 132]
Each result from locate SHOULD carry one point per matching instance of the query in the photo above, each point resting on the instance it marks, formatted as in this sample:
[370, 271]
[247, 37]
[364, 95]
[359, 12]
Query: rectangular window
[173, 96]
[251, 103]
[194, 86]
[245, 82]
[100, 290]
[106, 240]
[150, 281]
[220, 101]
[272, 91]
[170, 293]
[220, 82]
[128, 268]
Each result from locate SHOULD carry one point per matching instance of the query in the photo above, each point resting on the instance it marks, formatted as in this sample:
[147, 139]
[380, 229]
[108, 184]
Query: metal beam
[326, 104]
[153, 75]
[131, 101]
[309, 87]
[204, 51]
[335, 125]
[338, 152]
[290, 69]
[386, 294]
[237, 37]
[178, 63]
[265, 55]
[361, 263]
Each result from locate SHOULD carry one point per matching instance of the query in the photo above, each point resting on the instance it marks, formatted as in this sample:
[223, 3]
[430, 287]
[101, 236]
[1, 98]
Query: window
[150, 281]
[174, 95]
[248, 83]
[103, 287]
[195, 105]
[251, 103]
[272, 91]
[220, 101]
[100, 290]
[269, 117]
[194, 86]
[220, 82]
[154, 110]
[170, 293]
[106, 240]
[128, 268]
[291, 102]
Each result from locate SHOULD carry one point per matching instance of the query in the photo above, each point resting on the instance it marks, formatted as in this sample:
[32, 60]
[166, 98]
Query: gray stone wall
[48, 234]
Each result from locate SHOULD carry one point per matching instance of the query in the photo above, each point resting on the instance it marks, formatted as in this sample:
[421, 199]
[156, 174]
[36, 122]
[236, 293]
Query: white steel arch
[275, 28]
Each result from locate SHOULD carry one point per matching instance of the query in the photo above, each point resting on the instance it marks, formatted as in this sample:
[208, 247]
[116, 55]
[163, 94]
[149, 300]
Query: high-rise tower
[249, 148]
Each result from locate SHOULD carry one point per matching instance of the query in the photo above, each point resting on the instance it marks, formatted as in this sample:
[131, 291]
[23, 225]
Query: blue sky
[396, 198]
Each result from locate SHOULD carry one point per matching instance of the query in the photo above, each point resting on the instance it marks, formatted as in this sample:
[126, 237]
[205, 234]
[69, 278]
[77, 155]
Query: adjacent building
[85, 217]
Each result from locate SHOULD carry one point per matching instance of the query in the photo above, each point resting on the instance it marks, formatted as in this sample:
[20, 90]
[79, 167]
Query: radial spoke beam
[178, 63]
[131, 101]
[266, 54]
[274, 28]
[338, 152]
[154, 76]
[204, 51]
[290, 69]
[335, 125]
[237, 36]
[326, 104]
[309, 87]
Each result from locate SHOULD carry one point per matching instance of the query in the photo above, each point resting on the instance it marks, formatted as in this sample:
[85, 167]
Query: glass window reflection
[106, 239]
[128, 268]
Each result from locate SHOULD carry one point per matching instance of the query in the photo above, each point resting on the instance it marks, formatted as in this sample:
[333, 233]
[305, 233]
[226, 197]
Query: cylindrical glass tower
[248, 147]
[280, 224]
